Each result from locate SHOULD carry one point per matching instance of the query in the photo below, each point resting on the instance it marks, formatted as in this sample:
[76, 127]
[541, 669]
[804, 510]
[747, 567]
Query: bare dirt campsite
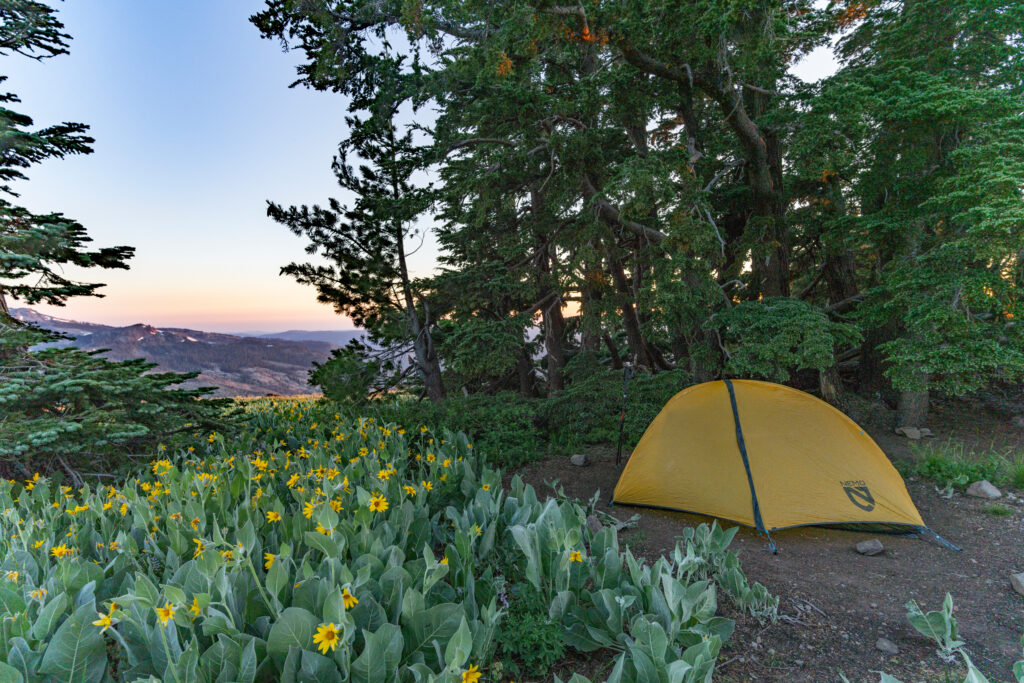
[837, 603]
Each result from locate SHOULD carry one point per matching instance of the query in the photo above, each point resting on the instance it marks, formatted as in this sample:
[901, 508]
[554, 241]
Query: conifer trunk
[912, 408]
[427, 364]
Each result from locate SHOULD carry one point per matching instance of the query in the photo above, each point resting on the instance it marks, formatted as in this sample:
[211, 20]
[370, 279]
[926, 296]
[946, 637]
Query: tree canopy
[649, 182]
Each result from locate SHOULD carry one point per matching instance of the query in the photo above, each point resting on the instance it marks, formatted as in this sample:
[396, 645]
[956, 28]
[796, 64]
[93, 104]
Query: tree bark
[554, 333]
[912, 408]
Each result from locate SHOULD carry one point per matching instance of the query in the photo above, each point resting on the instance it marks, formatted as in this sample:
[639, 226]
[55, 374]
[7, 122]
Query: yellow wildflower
[326, 637]
[471, 675]
[165, 613]
[104, 621]
[378, 503]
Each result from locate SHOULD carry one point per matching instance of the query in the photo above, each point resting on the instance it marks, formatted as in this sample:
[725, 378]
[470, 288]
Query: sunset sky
[195, 129]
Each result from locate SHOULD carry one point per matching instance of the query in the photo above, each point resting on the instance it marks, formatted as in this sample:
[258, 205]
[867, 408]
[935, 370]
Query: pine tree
[366, 245]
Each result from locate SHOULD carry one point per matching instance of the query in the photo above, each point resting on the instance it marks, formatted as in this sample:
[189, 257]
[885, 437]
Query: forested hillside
[648, 182]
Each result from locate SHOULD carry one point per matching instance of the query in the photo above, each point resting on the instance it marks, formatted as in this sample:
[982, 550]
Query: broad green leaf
[459, 647]
[380, 656]
[277, 577]
[49, 615]
[76, 653]
[295, 626]
[8, 674]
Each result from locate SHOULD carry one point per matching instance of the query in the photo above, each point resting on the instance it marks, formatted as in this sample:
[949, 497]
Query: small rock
[912, 433]
[594, 524]
[1017, 581]
[871, 547]
[580, 460]
[983, 489]
[887, 646]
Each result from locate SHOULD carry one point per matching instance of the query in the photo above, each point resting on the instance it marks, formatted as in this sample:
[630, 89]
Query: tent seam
[758, 522]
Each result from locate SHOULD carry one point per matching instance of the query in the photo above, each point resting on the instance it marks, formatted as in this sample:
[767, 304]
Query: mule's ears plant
[939, 625]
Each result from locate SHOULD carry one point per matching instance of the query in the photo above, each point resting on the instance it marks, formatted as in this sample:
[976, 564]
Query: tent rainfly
[767, 456]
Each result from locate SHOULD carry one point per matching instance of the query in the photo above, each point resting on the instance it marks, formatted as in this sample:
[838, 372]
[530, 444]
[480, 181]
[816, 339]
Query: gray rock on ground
[870, 547]
[912, 433]
[1017, 581]
[887, 646]
[580, 460]
[983, 489]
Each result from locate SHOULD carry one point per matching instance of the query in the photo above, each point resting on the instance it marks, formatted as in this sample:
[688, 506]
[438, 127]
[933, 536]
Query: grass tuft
[997, 510]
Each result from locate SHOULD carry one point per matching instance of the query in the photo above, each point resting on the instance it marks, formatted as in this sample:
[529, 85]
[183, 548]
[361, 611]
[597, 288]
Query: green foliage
[73, 408]
[310, 547]
[511, 430]
[651, 181]
[952, 464]
[529, 641]
[771, 338]
[501, 425]
[998, 510]
[348, 376]
[939, 625]
[587, 411]
[35, 248]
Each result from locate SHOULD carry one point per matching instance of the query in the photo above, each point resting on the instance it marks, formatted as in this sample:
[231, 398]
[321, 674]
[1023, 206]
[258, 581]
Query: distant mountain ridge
[336, 337]
[237, 365]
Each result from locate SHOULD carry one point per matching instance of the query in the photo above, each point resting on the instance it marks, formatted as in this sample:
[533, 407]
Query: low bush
[952, 465]
[314, 548]
[529, 641]
[587, 411]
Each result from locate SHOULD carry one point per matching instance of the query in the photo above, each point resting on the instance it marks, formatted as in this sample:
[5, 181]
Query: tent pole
[627, 374]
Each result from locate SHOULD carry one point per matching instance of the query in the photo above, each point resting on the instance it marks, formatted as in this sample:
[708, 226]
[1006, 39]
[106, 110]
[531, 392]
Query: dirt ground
[838, 602]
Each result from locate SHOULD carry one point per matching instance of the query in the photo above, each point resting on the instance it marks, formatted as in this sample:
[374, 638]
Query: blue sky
[195, 129]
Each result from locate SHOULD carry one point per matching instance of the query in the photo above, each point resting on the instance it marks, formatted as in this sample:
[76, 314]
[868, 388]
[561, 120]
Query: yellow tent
[767, 456]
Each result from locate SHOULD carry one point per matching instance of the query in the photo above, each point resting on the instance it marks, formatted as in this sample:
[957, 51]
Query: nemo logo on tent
[859, 495]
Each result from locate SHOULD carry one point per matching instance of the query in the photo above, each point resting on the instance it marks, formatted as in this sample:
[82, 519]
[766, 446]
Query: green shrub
[587, 411]
[998, 510]
[501, 426]
[529, 641]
